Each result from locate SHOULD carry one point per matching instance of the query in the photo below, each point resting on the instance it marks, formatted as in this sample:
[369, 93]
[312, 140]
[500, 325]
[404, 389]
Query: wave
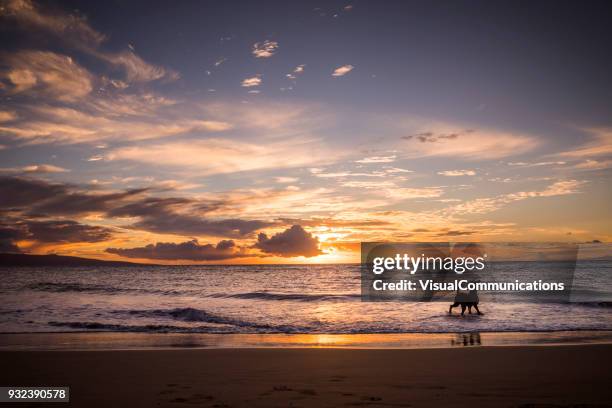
[288, 296]
[95, 288]
[169, 328]
[188, 314]
[149, 328]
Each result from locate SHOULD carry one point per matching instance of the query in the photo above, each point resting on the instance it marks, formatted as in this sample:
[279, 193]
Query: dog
[465, 305]
[466, 301]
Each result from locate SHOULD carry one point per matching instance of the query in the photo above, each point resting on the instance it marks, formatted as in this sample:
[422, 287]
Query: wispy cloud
[285, 179]
[48, 74]
[265, 49]
[343, 70]
[600, 145]
[590, 164]
[7, 116]
[457, 173]
[75, 31]
[486, 205]
[297, 71]
[218, 156]
[69, 27]
[537, 164]
[377, 159]
[473, 144]
[66, 125]
[252, 81]
[35, 169]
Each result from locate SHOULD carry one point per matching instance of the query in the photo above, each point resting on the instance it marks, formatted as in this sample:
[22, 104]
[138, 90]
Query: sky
[289, 132]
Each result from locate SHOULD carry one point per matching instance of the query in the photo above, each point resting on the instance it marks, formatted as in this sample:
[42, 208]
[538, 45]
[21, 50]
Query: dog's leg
[470, 309]
[450, 309]
[477, 311]
[462, 310]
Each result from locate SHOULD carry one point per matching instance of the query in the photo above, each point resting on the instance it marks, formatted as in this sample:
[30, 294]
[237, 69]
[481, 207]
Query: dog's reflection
[466, 339]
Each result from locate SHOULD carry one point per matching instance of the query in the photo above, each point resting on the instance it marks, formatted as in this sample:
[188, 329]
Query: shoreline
[83, 341]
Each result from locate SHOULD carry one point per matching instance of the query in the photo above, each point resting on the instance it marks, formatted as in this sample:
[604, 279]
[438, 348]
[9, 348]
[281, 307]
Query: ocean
[258, 299]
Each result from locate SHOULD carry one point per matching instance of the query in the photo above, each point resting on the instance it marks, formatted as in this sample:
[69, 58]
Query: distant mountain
[56, 260]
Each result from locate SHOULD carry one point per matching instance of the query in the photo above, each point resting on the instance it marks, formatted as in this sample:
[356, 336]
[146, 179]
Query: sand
[529, 376]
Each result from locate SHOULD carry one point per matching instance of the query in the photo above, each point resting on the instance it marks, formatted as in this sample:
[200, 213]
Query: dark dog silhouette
[465, 305]
[466, 301]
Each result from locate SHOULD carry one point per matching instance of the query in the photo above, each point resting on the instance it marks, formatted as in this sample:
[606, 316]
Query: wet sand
[526, 376]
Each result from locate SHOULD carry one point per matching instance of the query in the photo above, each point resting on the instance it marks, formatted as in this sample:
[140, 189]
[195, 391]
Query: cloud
[66, 232]
[74, 31]
[49, 231]
[136, 69]
[7, 116]
[104, 120]
[431, 137]
[343, 70]
[392, 170]
[253, 81]
[35, 168]
[471, 144]
[297, 71]
[180, 216]
[599, 145]
[457, 173]
[17, 192]
[69, 27]
[294, 241]
[405, 193]
[490, 204]
[537, 164]
[189, 250]
[8, 235]
[185, 224]
[47, 74]
[220, 156]
[165, 215]
[377, 159]
[41, 197]
[593, 164]
[265, 49]
[384, 172]
[284, 179]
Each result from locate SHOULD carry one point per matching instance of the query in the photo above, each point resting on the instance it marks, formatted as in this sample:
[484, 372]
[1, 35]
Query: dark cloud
[294, 241]
[189, 250]
[41, 197]
[192, 225]
[168, 215]
[162, 215]
[454, 233]
[66, 232]
[18, 192]
[431, 137]
[76, 203]
[53, 231]
[8, 235]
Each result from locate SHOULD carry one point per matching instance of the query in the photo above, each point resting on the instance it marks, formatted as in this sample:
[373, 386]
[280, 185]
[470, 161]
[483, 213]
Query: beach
[523, 376]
